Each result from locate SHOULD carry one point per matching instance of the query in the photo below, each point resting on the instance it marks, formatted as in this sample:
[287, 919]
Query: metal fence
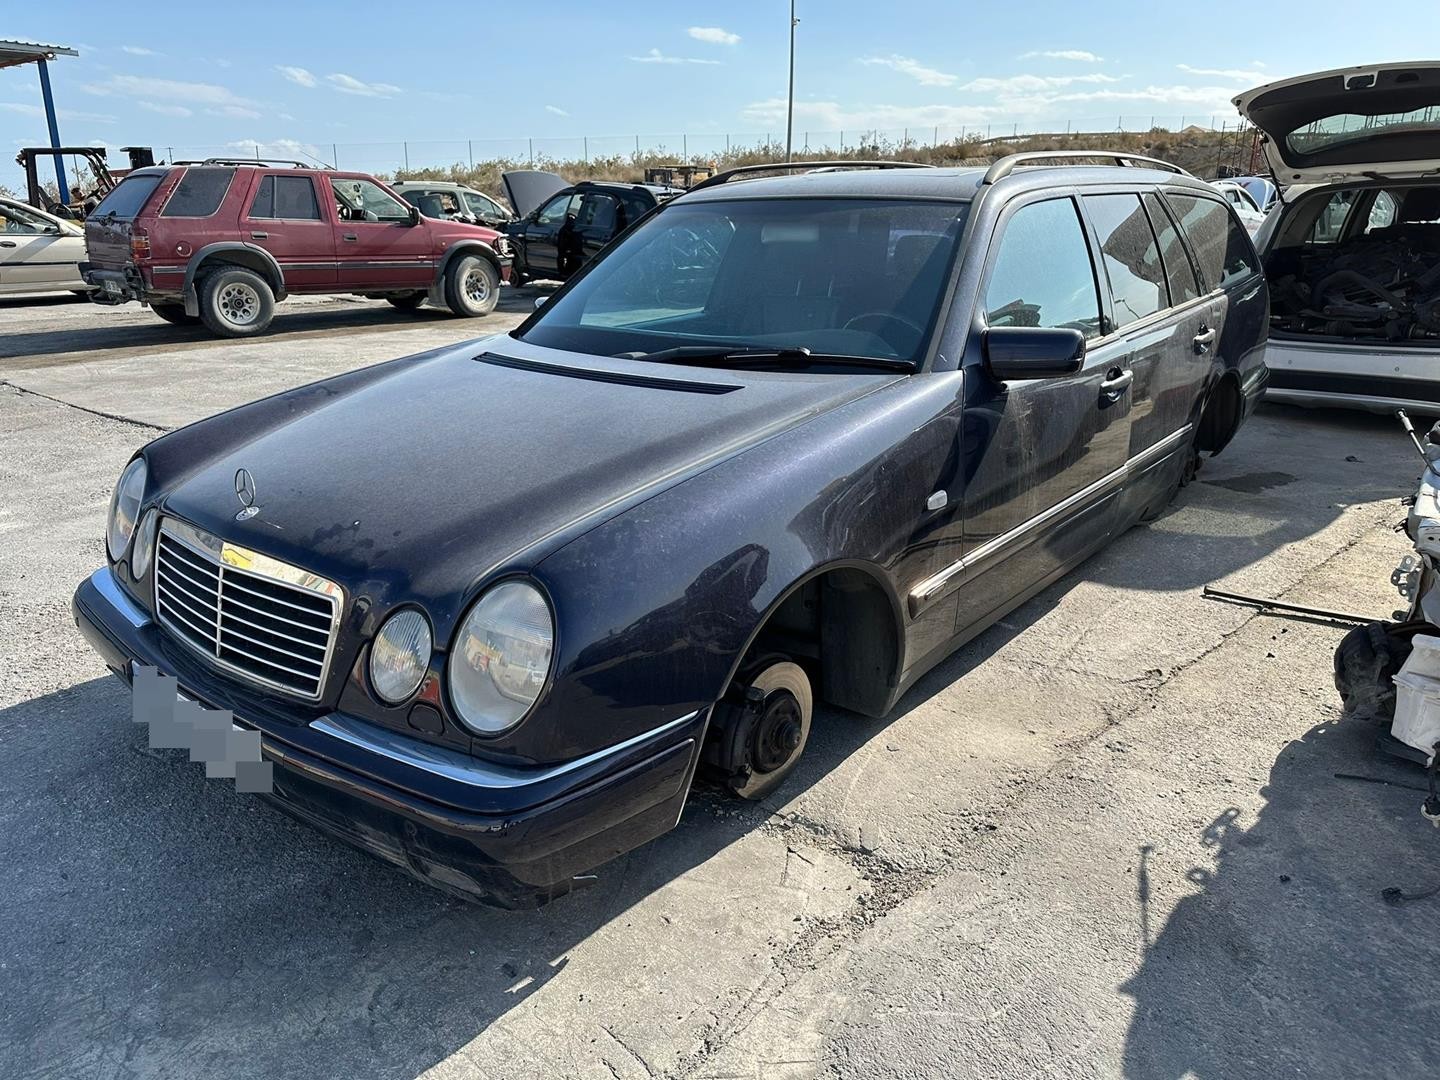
[388, 157]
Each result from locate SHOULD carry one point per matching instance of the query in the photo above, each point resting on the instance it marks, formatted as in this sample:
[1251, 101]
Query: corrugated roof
[15, 53]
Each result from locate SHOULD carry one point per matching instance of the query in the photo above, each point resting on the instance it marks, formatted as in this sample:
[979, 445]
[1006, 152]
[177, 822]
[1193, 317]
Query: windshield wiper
[761, 355]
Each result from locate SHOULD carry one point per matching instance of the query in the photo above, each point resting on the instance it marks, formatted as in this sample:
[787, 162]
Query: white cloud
[714, 35]
[1079, 55]
[831, 116]
[286, 116]
[925, 76]
[239, 112]
[24, 109]
[298, 75]
[1016, 84]
[655, 56]
[140, 88]
[286, 148]
[165, 110]
[1238, 74]
[556, 110]
[139, 50]
[348, 84]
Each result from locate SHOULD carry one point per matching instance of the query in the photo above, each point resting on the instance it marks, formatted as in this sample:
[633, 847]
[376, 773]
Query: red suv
[220, 241]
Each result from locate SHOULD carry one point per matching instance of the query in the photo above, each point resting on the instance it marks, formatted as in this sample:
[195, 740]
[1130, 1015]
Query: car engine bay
[1383, 284]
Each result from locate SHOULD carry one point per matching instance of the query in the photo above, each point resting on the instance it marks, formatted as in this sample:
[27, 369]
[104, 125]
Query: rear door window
[1130, 254]
[1179, 274]
[1221, 245]
[130, 197]
[288, 197]
[199, 193]
[1042, 274]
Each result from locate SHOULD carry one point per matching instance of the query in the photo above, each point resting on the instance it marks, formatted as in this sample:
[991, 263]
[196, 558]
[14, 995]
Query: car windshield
[839, 277]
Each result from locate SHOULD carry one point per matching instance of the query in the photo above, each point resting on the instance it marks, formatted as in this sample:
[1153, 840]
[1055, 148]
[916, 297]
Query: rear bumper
[110, 287]
[1375, 379]
[505, 836]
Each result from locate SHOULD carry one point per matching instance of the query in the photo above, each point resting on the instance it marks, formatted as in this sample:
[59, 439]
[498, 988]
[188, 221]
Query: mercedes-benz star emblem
[245, 492]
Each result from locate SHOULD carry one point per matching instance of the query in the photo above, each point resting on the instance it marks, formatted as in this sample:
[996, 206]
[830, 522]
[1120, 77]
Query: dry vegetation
[1199, 150]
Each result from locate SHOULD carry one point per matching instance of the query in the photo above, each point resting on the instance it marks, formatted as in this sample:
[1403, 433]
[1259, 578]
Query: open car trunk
[1359, 264]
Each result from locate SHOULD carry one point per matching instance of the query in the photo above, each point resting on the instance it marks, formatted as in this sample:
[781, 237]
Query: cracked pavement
[1104, 839]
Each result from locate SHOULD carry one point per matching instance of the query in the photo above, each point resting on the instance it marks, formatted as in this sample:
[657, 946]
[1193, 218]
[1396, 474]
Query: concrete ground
[1104, 839]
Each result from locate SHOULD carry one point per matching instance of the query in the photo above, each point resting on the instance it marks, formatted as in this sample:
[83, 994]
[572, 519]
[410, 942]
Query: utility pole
[790, 104]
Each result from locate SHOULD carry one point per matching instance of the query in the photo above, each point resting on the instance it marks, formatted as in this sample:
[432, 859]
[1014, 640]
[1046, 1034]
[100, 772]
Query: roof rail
[263, 163]
[741, 171]
[1006, 165]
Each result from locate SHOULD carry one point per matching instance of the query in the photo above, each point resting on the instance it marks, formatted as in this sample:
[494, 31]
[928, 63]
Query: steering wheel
[869, 319]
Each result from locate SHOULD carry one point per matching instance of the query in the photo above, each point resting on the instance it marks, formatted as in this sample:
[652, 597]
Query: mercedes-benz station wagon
[790, 439]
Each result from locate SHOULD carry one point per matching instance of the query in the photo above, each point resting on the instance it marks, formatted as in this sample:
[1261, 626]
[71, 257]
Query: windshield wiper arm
[759, 355]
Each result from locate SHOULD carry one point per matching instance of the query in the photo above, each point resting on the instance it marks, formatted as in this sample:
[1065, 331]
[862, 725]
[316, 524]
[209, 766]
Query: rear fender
[250, 256]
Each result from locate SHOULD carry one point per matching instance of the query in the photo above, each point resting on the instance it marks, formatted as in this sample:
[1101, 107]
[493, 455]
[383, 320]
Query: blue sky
[354, 79]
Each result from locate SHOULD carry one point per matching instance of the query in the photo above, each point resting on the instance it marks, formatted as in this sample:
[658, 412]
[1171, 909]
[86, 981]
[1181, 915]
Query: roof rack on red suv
[219, 241]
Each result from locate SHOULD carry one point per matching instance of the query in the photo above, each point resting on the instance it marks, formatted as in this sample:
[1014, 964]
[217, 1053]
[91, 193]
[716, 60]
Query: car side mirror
[414, 215]
[1033, 352]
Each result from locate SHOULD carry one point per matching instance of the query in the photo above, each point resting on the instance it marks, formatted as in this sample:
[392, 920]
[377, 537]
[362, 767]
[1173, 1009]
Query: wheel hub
[239, 303]
[776, 733]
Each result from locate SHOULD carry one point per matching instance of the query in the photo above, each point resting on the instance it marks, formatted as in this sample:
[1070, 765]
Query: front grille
[273, 632]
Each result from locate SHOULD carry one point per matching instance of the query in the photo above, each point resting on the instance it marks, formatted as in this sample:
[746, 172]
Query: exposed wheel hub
[776, 733]
[239, 303]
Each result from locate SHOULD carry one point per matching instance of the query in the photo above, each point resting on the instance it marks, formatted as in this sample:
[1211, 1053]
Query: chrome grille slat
[225, 632]
[230, 616]
[232, 583]
[260, 619]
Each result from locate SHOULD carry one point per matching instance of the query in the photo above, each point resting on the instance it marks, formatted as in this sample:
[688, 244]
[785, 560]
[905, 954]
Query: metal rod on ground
[1264, 604]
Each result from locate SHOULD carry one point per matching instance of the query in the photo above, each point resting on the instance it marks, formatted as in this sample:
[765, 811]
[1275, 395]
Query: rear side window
[1179, 274]
[199, 193]
[127, 200]
[1042, 275]
[1221, 245]
[288, 197]
[1131, 257]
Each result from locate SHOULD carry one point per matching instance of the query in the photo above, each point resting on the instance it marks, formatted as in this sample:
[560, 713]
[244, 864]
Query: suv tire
[175, 313]
[472, 286]
[235, 302]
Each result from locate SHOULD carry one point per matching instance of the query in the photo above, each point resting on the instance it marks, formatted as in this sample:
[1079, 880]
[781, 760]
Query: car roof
[439, 185]
[958, 183]
[621, 185]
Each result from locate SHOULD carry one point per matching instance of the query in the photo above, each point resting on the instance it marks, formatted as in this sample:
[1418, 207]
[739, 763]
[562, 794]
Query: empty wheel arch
[1221, 416]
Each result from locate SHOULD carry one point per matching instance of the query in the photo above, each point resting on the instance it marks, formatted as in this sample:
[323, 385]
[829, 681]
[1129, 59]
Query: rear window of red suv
[128, 198]
[199, 193]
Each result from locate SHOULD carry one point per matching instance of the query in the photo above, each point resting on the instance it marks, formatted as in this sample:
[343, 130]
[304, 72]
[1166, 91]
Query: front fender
[656, 607]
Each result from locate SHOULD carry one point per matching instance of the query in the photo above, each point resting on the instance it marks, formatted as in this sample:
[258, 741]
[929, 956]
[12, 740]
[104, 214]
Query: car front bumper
[503, 835]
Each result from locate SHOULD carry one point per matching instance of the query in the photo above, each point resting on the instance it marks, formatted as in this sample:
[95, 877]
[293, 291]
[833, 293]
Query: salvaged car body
[39, 252]
[791, 440]
[221, 241]
[455, 202]
[561, 226]
[1353, 253]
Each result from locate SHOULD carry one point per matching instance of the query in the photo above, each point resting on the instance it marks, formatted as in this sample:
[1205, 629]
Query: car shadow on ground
[348, 315]
[1292, 916]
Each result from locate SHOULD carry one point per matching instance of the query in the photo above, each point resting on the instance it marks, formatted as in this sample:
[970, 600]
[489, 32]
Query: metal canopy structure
[17, 53]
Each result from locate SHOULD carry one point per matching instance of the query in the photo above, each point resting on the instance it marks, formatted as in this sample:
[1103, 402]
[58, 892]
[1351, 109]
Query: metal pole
[470, 146]
[532, 150]
[790, 103]
[587, 149]
[60, 185]
[334, 155]
[407, 155]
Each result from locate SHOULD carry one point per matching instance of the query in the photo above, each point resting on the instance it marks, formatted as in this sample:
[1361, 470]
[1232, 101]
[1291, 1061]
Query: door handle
[1204, 339]
[1116, 380]
[7, 243]
[259, 236]
[350, 236]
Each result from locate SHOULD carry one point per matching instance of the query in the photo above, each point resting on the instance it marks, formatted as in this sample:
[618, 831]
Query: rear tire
[175, 313]
[235, 302]
[472, 286]
[407, 303]
[1366, 662]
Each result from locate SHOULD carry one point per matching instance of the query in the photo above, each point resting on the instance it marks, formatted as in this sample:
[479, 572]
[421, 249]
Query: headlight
[144, 548]
[501, 657]
[400, 655]
[125, 508]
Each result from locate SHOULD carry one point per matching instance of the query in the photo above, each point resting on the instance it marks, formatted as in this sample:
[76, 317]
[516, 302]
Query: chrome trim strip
[453, 765]
[930, 588]
[106, 585]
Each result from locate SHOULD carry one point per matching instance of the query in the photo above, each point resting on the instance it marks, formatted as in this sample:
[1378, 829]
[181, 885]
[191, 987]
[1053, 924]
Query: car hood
[419, 483]
[1349, 123]
[527, 189]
